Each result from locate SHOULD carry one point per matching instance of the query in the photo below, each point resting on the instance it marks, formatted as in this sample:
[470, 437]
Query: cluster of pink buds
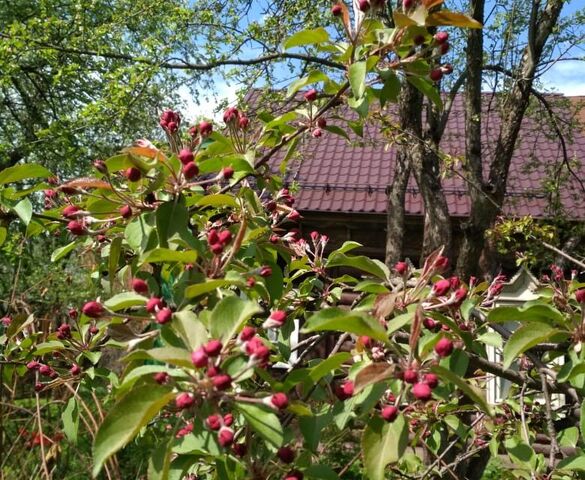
[157, 307]
[233, 118]
[203, 129]
[218, 240]
[64, 331]
[187, 159]
[170, 121]
[345, 390]
[253, 346]
[495, 288]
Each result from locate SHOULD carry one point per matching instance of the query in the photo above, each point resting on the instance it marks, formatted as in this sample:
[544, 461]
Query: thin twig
[42, 436]
[550, 426]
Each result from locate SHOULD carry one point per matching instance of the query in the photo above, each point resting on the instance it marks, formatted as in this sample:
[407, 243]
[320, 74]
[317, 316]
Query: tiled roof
[337, 176]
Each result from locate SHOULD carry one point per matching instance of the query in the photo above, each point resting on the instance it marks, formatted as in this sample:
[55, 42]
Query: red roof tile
[336, 176]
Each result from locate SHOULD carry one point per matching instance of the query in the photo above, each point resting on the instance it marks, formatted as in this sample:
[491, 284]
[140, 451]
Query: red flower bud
[265, 271]
[212, 237]
[225, 237]
[199, 358]
[442, 263]
[225, 436]
[580, 295]
[441, 37]
[205, 128]
[422, 391]
[69, 211]
[190, 170]
[227, 172]
[170, 120]
[75, 369]
[216, 248]
[228, 419]
[186, 156]
[132, 174]
[286, 454]
[100, 166]
[230, 115]
[222, 381]
[447, 69]
[250, 281]
[444, 347]
[407, 4]
[460, 295]
[243, 122]
[293, 475]
[164, 315]
[213, 422]
[444, 48]
[317, 133]
[345, 390]
[430, 323]
[401, 268]
[33, 365]
[154, 304]
[247, 333]
[72, 313]
[294, 216]
[364, 5]
[125, 211]
[6, 321]
[366, 341]
[239, 449]
[93, 309]
[93, 330]
[76, 228]
[275, 320]
[212, 371]
[436, 74]
[64, 331]
[389, 413]
[336, 10]
[311, 95]
[278, 400]
[410, 376]
[431, 380]
[441, 288]
[161, 377]
[184, 400]
[45, 370]
[139, 285]
[213, 348]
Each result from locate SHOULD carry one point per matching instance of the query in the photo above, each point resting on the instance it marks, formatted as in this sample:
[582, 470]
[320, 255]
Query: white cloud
[566, 77]
[206, 104]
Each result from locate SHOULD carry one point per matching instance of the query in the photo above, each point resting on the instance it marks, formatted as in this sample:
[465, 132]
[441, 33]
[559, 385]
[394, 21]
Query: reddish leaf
[445, 18]
[373, 373]
[85, 183]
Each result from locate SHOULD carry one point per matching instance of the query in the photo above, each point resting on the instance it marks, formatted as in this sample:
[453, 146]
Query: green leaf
[126, 419]
[473, 393]
[125, 300]
[137, 373]
[306, 37]
[337, 131]
[48, 347]
[24, 210]
[160, 462]
[166, 255]
[200, 442]
[357, 78]
[202, 288]
[3, 234]
[320, 472]
[524, 338]
[312, 427]
[217, 200]
[61, 252]
[533, 313]
[427, 88]
[576, 462]
[172, 355]
[313, 77]
[338, 320]
[230, 315]
[263, 421]
[22, 172]
[373, 267]
[325, 367]
[70, 418]
[582, 420]
[383, 443]
[190, 329]
[139, 231]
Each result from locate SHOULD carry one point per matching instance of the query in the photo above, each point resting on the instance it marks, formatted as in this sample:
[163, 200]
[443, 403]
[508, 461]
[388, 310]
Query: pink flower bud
[410, 376]
[444, 347]
[430, 324]
[278, 400]
[247, 333]
[6, 321]
[213, 422]
[213, 348]
[275, 320]
[199, 358]
[401, 268]
[76, 228]
[294, 475]
[164, 315]
[265, 271]
[345, 390]
[161, 377]
[75, 369]
[125, 211]
[33, 365]
[64, 331]
[212, 237]
[139, 285]
[45, 370]
[444, 48]
[230, 115]
[190, 170]
[311, 95]
[184, 400]
[216, 248]
[441, 37]
[93, 309]
[431, 380]
[227, 172]
[389, 413]
[294, 216]
[336, 10]
[250, 282]
[132, 174]
[286, 454]
[225, 237]
[239, 449]
[422, 391]
[228, 419]
[154, 304]
[222, 381]
[441, 263]
[460, 295]
[317, 133]
[441, 288]
[580, 295]
[364, 5]
[205, 128]
[186, 156]
[69, 211]
[225, 436]
[100, 166]
[436, 74]
[93, 330]
[243, 122]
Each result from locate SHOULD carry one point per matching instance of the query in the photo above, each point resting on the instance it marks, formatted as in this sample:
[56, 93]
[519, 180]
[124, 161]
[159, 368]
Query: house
[342, 185]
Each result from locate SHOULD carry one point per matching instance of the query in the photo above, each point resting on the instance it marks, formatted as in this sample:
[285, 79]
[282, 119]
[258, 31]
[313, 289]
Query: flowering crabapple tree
[205, 273]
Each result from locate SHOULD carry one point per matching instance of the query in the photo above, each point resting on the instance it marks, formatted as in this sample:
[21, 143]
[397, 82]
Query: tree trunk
[396, 210]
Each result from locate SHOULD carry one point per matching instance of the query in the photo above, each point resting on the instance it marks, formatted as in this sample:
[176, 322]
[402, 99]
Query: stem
[39, 423]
